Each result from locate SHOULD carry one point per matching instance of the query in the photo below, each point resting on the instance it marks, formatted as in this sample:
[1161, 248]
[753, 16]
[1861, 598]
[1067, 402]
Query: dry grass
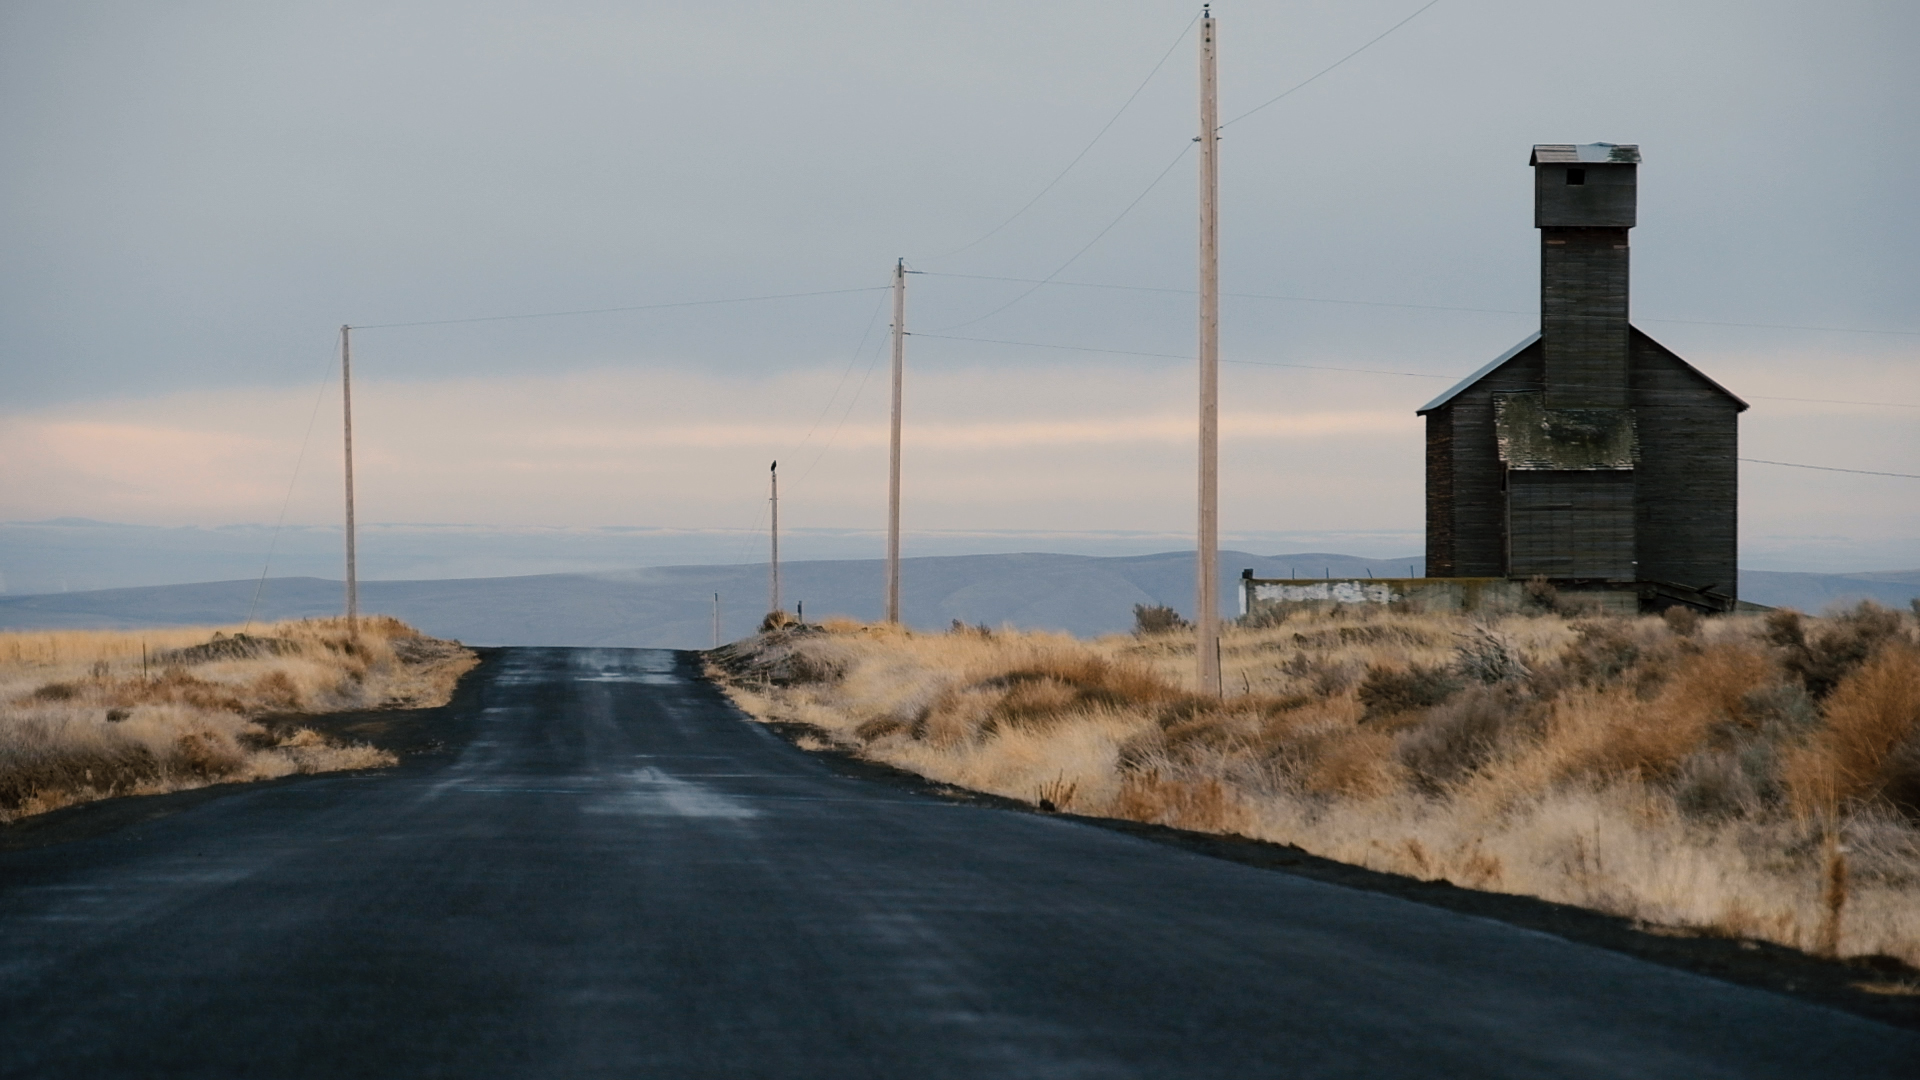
[1730, 776]
[93, 714]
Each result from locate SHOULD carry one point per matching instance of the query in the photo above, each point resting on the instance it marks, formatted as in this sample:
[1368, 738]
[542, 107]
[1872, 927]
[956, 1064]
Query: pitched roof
[1599, 153]
[1494, 365]
[1478, 375]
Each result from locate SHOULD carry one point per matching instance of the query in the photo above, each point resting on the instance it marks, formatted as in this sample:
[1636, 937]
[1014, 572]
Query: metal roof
[1599, 153]
[1477, 376]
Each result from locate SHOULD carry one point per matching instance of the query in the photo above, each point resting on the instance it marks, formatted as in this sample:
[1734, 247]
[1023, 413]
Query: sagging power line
[613, 310]
[1416, 307]
[1084, 151]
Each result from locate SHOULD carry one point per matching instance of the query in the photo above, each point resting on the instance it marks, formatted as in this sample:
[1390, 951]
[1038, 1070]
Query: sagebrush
[1692, 773]
[94, 714]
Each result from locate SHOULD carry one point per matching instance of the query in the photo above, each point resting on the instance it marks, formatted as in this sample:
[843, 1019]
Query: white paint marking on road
[653, 793]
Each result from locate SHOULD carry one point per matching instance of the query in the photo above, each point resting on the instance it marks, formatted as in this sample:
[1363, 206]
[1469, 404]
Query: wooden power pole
[774, 604]
[716, 620]
[346, 415]
[1206, 600]
[893, 458]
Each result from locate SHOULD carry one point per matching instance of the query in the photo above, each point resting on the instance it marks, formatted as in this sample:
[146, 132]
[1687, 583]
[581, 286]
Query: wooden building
[1588, 454]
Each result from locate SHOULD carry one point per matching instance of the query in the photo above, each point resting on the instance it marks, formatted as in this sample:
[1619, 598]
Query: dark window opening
[1576, 176]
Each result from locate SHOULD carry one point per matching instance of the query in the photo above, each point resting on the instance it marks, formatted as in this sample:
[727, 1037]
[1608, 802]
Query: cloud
[1089, 447]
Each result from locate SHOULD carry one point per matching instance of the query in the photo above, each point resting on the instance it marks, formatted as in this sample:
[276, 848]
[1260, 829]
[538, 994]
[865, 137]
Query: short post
[774, 602]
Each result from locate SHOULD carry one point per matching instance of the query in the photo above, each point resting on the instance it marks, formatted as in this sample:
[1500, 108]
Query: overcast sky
[196, 195]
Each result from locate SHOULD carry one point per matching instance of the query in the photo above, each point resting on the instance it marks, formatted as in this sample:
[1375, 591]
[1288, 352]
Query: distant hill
[1818, 592]
[672, 606]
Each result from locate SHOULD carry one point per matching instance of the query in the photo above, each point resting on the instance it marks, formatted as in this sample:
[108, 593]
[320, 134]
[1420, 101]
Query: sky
[194, 197]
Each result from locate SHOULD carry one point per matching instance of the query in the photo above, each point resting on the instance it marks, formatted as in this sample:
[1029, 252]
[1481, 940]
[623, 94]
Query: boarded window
[1570, 524]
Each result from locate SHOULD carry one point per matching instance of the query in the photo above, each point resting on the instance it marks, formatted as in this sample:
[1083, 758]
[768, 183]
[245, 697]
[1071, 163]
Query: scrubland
[1742, 776]
[93, 714]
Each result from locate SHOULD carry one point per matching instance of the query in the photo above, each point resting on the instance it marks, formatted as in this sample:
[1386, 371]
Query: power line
[852, 401]
[1330, 67]
[610, 310]
[299, 459]
[1829, 468]
[1178, 356]
[1837, 401]
[1084, 150]
[1362, 371]
[1089, 245]
[1416, 307]
[1238, 295]
[853, 358]
[1368, 371]
[1787, 326]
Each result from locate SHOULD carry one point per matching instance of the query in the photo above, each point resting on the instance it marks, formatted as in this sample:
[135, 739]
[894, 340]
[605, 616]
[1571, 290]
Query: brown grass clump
[94, 714]
[1733, 776]
[1869, 746]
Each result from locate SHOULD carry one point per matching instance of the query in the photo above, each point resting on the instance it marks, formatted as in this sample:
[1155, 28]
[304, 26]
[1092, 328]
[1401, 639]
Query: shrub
[1682, 620]
[1825, 656]
[1458, 737]
[1602, 650]
[1157, 619]
[1489, 658]
[1718, 784]
[1056, 686]
[879, 728]
[1388, 691]
[1862, 751]
[1542, 593]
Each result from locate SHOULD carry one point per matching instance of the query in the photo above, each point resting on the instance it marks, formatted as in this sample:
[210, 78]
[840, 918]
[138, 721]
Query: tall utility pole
[774, 604]
[716, 620]
[1206, 600]
[346, 414]
[893, 459]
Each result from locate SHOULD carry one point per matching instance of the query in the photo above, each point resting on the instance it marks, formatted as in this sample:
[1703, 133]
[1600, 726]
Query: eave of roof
[1477, 376]
[1735, 398]
[1585, 154]
[1496, 362]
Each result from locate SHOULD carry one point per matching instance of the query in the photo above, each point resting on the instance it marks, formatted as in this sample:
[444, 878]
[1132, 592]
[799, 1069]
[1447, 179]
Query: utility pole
[775, 565]
[346, 414]
[1206, 601]
[893, 459]
[716, 620]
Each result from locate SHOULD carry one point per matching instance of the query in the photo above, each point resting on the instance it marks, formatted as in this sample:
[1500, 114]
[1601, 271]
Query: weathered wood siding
[1473, 512]
[1583, 317]
[1685, 486]
[1440, 535]
[1687, 507]
[1571, 524]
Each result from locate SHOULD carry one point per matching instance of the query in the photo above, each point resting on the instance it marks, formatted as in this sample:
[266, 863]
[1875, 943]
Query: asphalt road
[619, 876]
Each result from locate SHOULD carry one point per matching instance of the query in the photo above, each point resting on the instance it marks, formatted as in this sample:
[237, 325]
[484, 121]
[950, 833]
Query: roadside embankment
[88, 715]
[1745, 777]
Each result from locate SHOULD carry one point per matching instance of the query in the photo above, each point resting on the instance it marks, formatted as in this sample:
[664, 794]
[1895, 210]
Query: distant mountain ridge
[672, 606]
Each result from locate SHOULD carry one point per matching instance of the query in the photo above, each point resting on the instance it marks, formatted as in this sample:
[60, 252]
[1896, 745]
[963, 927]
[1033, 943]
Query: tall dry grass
[92, 714]
[1718, 775]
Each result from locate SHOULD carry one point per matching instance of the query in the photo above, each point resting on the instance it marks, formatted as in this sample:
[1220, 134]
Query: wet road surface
[620, 876]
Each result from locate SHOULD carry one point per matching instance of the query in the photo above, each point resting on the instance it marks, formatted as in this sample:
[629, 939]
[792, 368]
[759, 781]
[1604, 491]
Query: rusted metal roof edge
[1491, 367]
[1585, 154]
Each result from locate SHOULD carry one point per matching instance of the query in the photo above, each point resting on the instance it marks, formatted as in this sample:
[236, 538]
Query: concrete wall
[1426, 594]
